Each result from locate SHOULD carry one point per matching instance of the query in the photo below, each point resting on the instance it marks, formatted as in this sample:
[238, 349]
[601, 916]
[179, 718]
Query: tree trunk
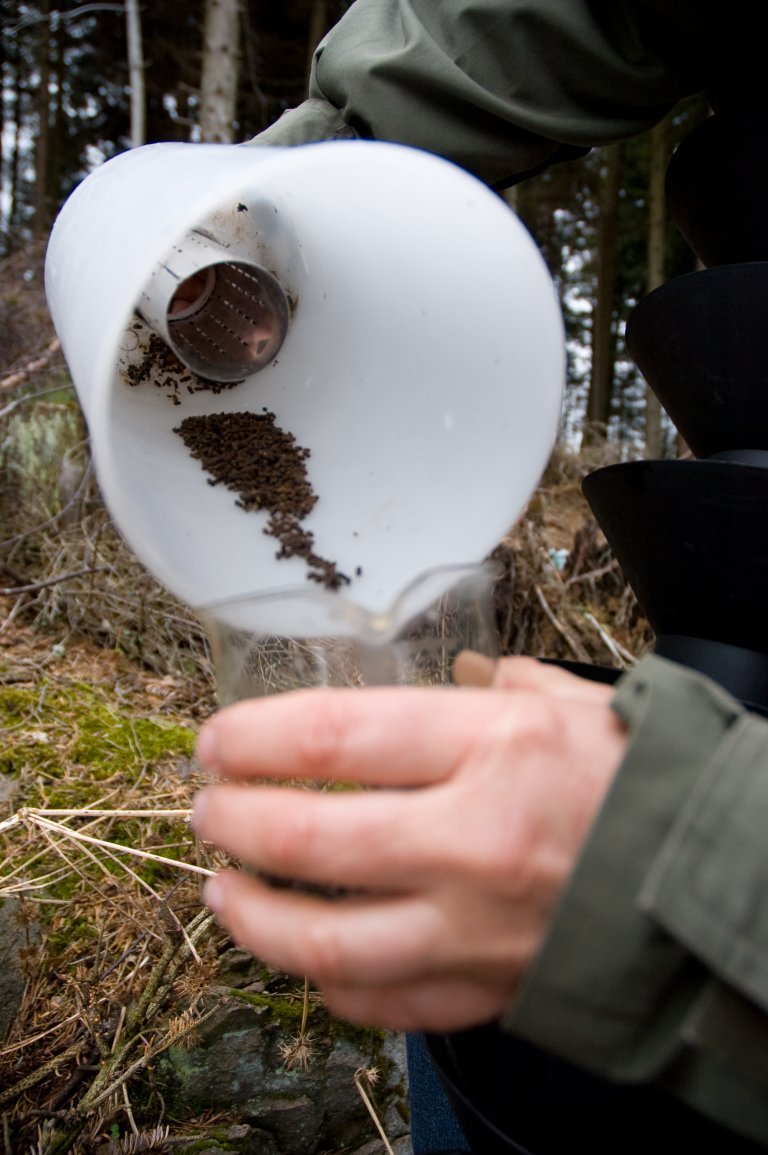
[221, 60]
[318, 26]
[657, 221]
[9, 135]
[603, 317]
[57, 116]
[135, 72]
[41, 219]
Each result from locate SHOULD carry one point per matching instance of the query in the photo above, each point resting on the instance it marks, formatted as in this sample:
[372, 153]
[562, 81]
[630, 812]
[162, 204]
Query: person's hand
[456, 861]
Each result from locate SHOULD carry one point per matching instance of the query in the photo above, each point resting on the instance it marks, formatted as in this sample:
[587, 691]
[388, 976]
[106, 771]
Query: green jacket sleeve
[501, 87]
[656, 964]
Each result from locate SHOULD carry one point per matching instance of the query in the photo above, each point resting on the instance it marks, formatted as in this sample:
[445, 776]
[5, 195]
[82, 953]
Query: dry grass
[120, 960]
[584, 612]
[117, 952]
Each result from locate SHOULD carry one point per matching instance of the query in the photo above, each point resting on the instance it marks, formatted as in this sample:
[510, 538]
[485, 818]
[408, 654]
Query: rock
[249, 1141]
[239, 1131]
[376, 1147]
[238, 1066]
[16, 936]
[8, 785]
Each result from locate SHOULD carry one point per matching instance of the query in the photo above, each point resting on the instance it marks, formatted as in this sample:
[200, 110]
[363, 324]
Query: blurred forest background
[103, 676]
[85, 81]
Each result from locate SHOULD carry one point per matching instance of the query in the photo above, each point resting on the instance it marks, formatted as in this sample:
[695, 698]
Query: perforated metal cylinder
[224, 318]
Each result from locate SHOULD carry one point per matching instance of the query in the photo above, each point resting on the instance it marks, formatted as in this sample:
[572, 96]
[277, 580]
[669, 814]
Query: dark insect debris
[255, 458]
[161, 367]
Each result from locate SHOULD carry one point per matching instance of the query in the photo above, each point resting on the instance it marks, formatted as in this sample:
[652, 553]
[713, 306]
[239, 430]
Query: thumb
[473, 669]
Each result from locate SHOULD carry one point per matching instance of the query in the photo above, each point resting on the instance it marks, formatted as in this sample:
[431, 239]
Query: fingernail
[473, 669]
[198, 811]
[207, 749]
[213, 895]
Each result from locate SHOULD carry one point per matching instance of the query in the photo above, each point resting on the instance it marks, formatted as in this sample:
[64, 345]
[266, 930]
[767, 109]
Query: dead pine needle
[129, 1111]
[154, 1140]
[370, 1075]
[28, 1042]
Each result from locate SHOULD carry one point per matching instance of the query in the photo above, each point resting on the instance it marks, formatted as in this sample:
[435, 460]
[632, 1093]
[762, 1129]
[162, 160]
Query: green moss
[64, 395]
[26, 738]
[68, 747]
[50, 729]
[16, 705]
[285, 1010]
[214, 1137]
[67, 931]
[106, 741]
[206, 1144]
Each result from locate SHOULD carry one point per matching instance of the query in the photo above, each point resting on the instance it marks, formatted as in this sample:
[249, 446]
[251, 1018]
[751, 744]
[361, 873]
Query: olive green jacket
[506, 87]
[656, 967]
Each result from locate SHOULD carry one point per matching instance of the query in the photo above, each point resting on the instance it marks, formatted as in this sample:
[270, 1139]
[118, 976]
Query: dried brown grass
[583, 612]
[116, 951]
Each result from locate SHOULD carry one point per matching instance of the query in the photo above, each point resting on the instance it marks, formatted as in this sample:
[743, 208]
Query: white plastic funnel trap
[422, 365]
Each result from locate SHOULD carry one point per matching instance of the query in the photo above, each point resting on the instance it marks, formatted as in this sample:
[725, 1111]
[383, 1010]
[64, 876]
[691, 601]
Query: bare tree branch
[11, 380]
[10, 591]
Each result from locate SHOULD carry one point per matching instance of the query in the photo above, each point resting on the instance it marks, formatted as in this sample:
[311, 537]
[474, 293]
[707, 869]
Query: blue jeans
[434, 1126]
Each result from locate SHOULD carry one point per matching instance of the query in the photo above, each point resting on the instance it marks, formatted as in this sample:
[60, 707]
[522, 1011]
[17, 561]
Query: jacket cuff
[708, 882]
[314, 120]
[612, 986]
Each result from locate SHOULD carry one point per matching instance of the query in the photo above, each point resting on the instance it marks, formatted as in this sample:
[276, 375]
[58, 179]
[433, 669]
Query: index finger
[393, 736]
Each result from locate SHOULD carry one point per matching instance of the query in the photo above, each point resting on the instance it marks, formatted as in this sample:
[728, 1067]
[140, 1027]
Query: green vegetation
[53, 732]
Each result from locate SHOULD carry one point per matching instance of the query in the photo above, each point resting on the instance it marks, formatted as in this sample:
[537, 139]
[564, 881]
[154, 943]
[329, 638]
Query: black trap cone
[692, 540]
[692, 535]
[715, 187]
[702, 345]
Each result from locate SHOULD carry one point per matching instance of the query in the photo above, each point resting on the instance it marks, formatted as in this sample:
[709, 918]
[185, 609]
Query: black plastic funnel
[714, 188]
[701, 342]
[692, 540]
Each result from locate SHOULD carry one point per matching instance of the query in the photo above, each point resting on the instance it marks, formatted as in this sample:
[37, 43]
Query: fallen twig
[35, 587]
[11, 380]
[622, 656]
[579, 651]
[40, 1073]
